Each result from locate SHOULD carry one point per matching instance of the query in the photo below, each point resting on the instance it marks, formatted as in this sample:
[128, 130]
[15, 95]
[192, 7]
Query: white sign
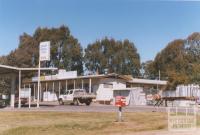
[45, 51]
[62, 74]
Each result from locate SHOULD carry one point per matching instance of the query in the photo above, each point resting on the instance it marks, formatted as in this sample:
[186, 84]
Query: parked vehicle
[3, 101]
[75, 97]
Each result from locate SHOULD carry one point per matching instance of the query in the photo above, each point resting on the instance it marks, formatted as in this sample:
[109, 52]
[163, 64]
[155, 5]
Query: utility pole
[157, 80]
[38, 90]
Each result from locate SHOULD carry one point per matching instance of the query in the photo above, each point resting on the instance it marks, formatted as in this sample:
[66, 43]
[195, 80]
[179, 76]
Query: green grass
[61, 123]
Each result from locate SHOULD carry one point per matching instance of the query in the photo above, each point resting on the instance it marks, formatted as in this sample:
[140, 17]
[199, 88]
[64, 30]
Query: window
[79, 92]
[107, 85]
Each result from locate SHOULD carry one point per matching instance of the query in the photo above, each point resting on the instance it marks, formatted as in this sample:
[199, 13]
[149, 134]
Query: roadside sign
[120, 102]
[44, 55]
[45, 51]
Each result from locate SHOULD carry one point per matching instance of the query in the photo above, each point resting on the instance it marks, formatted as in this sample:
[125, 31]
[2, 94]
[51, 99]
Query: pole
[66, 85]
[90, 85]
[38, 96]
[120, 114]
[74, 84]
[29, 98]
[82, 83]
[34, 92]
[40, 91]
[12, 96]
[46, 95]
[53, 91]
[19, 102]
[46, 87]
[59, 89]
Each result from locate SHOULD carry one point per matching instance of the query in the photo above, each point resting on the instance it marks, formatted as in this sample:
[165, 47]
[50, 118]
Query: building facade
[101, 85]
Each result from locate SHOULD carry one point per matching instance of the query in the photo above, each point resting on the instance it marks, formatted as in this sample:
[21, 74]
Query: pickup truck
[75, 97]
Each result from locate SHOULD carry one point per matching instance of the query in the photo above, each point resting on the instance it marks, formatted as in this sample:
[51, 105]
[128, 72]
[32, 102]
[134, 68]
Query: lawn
[61, 123]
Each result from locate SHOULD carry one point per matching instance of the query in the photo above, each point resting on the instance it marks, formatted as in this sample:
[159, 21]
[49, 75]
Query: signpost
[120, 102]
[44, 55]
[45, 51]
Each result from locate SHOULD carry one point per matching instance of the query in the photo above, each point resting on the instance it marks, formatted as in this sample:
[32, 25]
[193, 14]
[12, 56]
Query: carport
[13, 73]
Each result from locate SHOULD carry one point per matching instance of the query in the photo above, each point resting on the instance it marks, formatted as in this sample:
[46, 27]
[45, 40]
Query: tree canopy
[179, 62]
[66, 51]
[115, 56]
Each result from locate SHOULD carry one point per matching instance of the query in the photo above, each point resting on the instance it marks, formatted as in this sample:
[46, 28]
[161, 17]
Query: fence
[191, 90]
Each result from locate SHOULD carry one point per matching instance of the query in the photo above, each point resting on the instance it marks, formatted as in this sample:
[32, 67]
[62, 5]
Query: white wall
[134, 96]
[106, 94]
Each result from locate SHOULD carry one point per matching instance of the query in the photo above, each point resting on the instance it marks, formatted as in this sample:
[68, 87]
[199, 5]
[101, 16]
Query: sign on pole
[45, 51]
[44, 55]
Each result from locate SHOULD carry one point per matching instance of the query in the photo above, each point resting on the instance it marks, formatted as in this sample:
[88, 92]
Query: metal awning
[6, 70]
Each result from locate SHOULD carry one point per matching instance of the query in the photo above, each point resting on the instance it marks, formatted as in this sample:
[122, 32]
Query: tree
[115, 56]
[66, 51]
[148, 69]
[179, 62]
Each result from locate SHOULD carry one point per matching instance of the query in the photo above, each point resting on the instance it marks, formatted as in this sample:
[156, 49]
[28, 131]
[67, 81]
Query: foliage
[147, 69]
[66, 52]
[179, 62]
[5, 86]
[115, 56]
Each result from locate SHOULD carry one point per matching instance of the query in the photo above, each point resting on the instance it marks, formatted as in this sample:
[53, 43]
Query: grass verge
[61, 123]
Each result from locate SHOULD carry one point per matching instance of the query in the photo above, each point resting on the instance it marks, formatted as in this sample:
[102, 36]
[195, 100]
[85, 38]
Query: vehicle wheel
[61, 102]
[76, 102]
[88, 103]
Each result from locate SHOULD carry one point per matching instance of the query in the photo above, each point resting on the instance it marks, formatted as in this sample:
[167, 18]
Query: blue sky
[149, 24]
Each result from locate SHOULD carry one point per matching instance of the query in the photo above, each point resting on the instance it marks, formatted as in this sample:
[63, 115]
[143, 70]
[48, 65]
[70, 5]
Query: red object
[120, 101]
